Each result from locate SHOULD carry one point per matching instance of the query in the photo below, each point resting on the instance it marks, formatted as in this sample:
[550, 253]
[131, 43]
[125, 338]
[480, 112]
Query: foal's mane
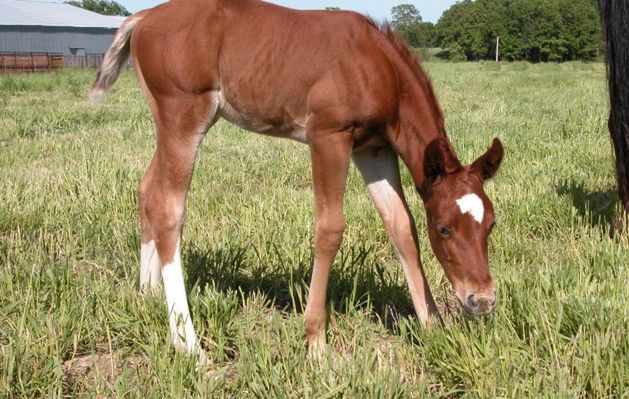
[411, 60]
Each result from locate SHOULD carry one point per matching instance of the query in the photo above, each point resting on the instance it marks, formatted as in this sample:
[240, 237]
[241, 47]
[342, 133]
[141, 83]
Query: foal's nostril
[471, 301]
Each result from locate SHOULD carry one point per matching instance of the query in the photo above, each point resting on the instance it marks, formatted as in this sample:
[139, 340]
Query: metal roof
[41, 13]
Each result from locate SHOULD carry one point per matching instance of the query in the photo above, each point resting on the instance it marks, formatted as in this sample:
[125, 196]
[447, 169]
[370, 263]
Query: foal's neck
[420, 121]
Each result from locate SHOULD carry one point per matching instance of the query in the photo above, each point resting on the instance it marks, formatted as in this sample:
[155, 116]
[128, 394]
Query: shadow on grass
[354, 281]
[441, 54]
[597, 208]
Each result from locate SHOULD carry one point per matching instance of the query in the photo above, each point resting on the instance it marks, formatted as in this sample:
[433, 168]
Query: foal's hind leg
[181, 125]
[150, 268]
[382, 176]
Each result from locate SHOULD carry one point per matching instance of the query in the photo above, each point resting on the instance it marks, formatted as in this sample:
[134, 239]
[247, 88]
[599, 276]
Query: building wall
[53, 39]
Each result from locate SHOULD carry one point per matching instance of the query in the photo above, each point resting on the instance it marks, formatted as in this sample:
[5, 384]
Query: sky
[430, 10]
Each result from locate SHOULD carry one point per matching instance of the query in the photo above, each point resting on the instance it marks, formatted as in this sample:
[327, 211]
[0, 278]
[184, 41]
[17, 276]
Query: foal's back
[272, 66]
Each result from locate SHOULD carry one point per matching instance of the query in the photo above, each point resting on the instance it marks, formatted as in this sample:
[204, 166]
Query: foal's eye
[444, 231]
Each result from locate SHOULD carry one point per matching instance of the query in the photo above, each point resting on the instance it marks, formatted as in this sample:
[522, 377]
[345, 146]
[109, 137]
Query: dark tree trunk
[615, 18]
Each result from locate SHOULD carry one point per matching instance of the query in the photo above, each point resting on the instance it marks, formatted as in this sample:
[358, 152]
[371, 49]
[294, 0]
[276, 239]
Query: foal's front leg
[330, 154]
[382, 175]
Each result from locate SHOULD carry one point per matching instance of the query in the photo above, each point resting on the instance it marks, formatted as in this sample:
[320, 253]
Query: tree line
[531, 30]
[104, 7]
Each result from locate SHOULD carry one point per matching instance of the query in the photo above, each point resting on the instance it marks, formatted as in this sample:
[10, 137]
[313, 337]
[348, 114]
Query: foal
[332, 80]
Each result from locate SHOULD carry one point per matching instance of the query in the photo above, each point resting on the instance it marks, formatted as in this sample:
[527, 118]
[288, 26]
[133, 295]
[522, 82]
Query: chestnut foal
[336, 81]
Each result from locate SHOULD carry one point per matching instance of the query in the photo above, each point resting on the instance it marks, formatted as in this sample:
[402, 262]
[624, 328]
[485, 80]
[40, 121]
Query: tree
[405, 15]
[533, 30]
[333, 8]
[474, 26]
[104, 7]
[408, 23]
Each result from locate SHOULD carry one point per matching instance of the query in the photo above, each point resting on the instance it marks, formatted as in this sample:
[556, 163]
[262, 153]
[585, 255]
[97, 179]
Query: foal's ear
[487, 165]
[439, 160]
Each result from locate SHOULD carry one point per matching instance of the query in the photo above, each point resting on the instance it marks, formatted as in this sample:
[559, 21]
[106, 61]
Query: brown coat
[333, 80]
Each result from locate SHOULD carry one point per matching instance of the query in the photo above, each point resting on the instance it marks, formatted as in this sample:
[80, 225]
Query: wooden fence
[45, 62]
[30, 62]
[83, 61]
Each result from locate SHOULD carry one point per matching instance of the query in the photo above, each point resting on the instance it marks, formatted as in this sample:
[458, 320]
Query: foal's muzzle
[479, 304]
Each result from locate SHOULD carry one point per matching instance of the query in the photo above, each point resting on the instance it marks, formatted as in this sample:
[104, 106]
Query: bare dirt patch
[105, 367]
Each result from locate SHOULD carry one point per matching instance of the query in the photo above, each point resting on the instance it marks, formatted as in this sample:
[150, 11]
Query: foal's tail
[116, 56]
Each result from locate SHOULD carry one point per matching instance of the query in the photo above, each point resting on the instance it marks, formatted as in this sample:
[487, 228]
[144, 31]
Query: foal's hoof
[203, 362]
[317, 348]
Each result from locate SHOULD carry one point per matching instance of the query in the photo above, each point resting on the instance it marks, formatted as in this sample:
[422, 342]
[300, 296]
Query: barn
[44, 28]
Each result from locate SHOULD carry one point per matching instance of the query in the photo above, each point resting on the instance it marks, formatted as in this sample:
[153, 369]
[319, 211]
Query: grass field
[73, 324]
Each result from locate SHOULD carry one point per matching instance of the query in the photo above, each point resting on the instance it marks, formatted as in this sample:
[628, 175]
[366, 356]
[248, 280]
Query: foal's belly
[254, 121]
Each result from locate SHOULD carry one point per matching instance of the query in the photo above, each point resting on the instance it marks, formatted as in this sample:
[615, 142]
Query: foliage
[104, 7]
[455, 52]
[405, 15]
[408, 23]
[69, 243]
[533, 30]
[333, 8]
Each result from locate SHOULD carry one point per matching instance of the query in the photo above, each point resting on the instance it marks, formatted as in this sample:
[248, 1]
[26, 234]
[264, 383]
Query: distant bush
[455, 52]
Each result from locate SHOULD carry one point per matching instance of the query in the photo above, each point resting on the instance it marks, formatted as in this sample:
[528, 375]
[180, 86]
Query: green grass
[69, 248]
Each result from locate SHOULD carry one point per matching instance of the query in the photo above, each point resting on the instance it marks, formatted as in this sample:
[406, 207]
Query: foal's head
[460, 218]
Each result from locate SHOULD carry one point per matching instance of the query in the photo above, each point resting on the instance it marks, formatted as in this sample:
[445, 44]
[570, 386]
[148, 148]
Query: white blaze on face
[472, 204]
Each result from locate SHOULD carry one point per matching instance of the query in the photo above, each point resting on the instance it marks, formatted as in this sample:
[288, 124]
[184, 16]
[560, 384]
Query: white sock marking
[150, 270]
[181, 328]
[472, 204]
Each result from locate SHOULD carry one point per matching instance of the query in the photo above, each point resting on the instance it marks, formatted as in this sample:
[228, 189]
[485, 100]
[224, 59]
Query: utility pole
[497, 48]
